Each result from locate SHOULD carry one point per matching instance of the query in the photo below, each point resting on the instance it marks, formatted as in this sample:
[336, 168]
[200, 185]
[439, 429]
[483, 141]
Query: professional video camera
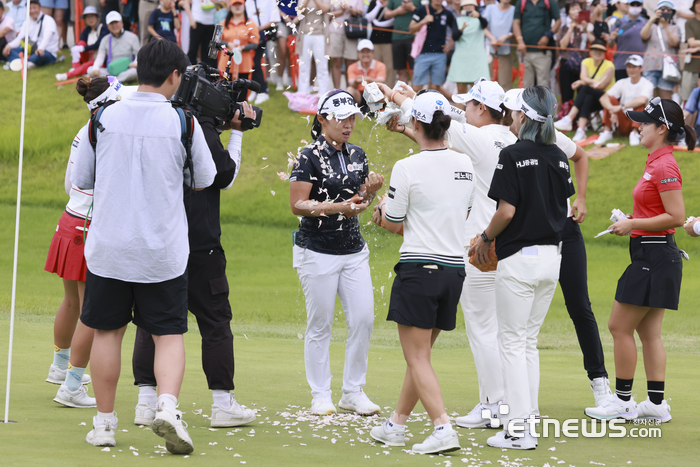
[211, 94]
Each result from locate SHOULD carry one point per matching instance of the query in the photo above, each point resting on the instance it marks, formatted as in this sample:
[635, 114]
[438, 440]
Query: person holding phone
[571, 36]
[627, 36]
[661, 37]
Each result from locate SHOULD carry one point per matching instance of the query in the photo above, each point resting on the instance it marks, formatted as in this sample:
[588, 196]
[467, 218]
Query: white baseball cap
[338, 104]
[365, 44]
[514, 101]
[113, 16]
[489, 93]
[90, 10]
[635, 60]
[425, 105]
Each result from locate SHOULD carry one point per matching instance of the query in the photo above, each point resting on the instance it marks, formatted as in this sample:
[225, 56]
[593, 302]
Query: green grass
[269, 307]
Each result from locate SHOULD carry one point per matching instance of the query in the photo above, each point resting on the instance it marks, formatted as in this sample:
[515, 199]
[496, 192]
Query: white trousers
[479, 307]
[313, 47]
[323, 277]
[125, 76]
[525, 283]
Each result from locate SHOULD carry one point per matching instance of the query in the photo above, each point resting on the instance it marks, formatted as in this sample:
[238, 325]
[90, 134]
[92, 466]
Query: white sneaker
[503, 440]
[168, 425]
[604, 137]
[322, 406]
[252, 96]
[77, 399]
[635, 139]
[474, 418]
[235, 416]
[144, 414]
[389, 434]
[444, 440]
[648, 410]
[601, 390]
[565, 124]
[102, 435]
[280, 86]
[61, 76]
[613, 407]
[263, 97]
[359, 403]
[58, 376]
[579, 136]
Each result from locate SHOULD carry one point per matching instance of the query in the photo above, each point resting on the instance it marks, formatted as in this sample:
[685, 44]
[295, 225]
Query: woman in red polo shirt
[652, 283]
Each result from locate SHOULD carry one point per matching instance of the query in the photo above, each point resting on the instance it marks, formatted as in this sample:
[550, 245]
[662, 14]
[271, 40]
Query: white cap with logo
[514, 101]
[338, 104]
[425, 105]
[365, 44]
[635, 60]
[489, 93]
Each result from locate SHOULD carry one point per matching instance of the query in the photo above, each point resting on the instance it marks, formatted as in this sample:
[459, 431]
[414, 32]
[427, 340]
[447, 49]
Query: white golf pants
[525, 283]
[313, 47]
[479, 307]
[323, 277]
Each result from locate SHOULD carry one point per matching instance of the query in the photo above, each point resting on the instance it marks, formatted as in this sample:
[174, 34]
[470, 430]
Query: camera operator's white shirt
[139, 228]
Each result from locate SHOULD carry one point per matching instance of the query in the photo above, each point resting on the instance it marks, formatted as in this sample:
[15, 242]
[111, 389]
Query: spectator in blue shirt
[162, 23]
[692, 105]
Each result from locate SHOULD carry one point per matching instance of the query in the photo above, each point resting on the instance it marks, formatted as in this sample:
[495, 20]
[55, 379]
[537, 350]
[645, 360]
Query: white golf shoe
[235, 415]
[647, 410]
[102, 435]
[359, 403]
[474, 418]
[322, 406]
[613, 407]
[168, 425]
[441, 440]
[58, 376]
[601, 390]
[144, 414]
[77, 399]
[389, 434]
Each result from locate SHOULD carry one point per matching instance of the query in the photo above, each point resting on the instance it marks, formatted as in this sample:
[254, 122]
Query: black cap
[655, 113]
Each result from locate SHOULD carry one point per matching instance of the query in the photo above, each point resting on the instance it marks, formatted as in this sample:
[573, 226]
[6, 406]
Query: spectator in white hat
[117, 53]
[661, 36]
[83, 52]
[632, 93]
[365, 70]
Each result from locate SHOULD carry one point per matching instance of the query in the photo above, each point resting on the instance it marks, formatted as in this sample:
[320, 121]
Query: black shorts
[426, 295]
[159, 308]
[401, 53]
[654, 277]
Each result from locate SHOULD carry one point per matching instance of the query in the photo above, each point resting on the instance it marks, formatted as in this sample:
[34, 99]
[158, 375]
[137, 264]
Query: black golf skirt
[654, 277]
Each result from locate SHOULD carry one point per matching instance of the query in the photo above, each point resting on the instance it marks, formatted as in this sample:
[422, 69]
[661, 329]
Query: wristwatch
[485, 238]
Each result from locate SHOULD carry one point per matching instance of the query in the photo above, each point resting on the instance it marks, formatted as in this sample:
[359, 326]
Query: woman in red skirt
[66, 259]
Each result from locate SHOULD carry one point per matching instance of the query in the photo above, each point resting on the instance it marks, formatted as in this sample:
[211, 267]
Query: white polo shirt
[624, 91]
[80, 200]
[483, 146]
[139, 228]
[431, 193]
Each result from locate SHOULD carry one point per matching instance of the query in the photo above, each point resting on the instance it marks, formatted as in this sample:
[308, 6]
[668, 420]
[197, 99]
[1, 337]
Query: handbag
[356, 27]
[670, 71]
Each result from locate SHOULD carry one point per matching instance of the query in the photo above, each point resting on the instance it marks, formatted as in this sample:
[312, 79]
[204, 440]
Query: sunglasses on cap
[657, 103]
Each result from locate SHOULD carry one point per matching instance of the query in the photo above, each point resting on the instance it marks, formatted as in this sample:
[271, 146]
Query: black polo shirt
[437, 30]
[335, 176]
[534, 178]
[203, 206]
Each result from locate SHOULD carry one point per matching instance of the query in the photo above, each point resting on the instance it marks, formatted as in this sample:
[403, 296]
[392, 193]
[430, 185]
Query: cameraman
[207, 289]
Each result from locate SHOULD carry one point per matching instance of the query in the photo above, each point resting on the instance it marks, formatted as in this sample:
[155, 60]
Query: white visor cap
[425, 105]
[340, 105]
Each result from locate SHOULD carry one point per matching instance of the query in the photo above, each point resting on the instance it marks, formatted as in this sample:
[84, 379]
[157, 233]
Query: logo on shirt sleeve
[647, 176]
[499, 166]
[392, 192]
[669, 180]
[463, 176]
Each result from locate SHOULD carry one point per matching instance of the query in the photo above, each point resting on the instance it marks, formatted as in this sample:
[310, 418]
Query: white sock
[395, 425]
[222, 398]
[61, 357]
[102, 417]
[445, 427]
[168, 401]
[148, 395]
[74, 378]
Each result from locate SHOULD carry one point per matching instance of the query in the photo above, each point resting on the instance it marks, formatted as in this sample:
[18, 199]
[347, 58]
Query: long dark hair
[674, 113]
[229, 15]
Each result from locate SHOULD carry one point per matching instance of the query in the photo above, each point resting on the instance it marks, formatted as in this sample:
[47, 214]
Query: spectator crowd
[599, 57]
